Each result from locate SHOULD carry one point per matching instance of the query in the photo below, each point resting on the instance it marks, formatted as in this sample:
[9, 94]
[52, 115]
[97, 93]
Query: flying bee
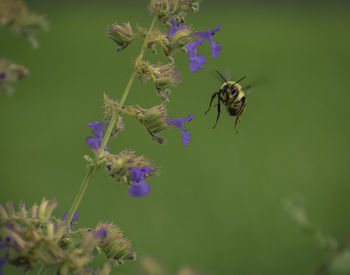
[231, 94]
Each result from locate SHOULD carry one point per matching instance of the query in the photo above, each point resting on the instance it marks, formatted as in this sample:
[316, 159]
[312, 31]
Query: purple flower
[139, 187]
[179, 123]
[98, 131]
[102, 233]
[175, 27]
[208, 35]
[2, 263]
[196, 60]
[137, 174]
[74, 219]
[3, 75]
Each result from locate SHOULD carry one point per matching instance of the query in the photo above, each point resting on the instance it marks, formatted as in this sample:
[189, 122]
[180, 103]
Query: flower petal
[185, 137]
[197, 62]
[180, 123]
[102, 233]
[139, 189]
[137, 174]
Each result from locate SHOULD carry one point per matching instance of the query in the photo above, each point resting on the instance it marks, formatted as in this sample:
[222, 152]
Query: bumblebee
[231, 95]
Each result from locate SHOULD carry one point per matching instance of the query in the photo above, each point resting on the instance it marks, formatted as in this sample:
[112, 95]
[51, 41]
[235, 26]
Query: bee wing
[256, 83]
[226, 73]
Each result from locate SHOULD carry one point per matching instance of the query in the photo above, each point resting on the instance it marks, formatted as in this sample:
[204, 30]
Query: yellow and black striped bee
[231, 94]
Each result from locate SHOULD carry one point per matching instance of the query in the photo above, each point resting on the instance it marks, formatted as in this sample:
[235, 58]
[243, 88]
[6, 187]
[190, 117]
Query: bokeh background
[218, 203]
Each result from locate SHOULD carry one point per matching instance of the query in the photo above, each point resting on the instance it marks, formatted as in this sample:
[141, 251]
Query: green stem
[41, 269]
[127, 89]
[92, 169]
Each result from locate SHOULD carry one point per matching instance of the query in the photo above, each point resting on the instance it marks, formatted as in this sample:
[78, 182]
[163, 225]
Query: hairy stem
[92, 169]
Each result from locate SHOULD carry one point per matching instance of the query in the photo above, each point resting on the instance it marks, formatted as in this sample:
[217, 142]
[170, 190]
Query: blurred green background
[217, 204]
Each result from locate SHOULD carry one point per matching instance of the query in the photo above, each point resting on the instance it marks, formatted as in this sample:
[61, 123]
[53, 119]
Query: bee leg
[211, 101]
[219, 111]
[239, 114]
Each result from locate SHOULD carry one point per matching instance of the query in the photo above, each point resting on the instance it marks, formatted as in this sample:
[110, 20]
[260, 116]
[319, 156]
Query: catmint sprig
[92, 169]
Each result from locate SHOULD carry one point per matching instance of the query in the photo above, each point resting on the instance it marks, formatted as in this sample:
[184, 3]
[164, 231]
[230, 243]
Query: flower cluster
[9, 74]
[178, 37]
[167, 10]
[15, 16]
[30, 237]
[98, 130]
[129, 169]
[18, 18]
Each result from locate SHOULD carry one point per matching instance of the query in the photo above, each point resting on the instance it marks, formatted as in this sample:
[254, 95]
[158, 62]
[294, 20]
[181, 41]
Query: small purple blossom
[208, 35]
[98, 131]
[102, 233]
[2, 263]
[139, 187]
[196, 60]
[175, 27]
[74, 219]
[2, 75]
[137, 174]
[180, 123]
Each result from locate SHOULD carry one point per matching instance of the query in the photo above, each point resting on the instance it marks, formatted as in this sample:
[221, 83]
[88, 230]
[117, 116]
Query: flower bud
[155, 37]
[153, 119]
[167, 76]
[179, 39]
[111, 106]
[163, 76]
[121, 35]
[115, 246]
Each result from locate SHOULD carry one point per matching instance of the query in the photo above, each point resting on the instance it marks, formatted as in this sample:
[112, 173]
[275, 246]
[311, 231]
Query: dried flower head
[156, 36]
[167, 10]
[114, 245]
[153, 119]
[121, 35]
[167, 76]
[16, 17]
[164, 76]
[9, 74]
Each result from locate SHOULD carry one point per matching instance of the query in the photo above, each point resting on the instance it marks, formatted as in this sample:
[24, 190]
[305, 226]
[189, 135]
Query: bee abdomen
[233, 110]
